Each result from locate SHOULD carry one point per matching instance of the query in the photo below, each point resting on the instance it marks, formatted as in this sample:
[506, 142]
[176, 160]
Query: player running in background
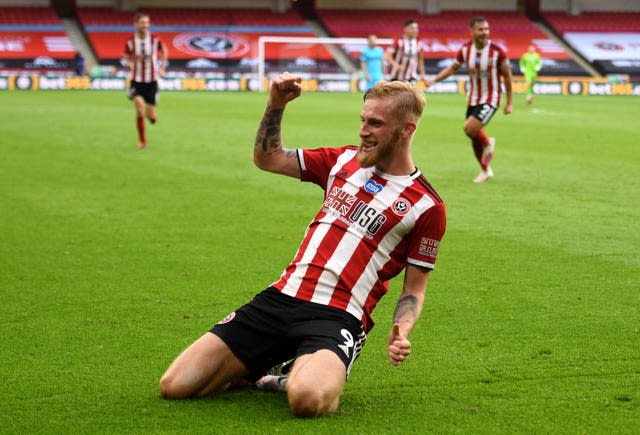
[372, 62]
[147, 58]
[530, 64]
[486, 63]
[405, 55]
[379, 217]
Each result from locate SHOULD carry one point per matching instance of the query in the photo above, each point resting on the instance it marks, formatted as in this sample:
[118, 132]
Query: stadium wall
[576, 86]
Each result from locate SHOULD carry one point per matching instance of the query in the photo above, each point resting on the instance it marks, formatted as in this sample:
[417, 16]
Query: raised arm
[268, 152]
[505, 71]
[407, 312]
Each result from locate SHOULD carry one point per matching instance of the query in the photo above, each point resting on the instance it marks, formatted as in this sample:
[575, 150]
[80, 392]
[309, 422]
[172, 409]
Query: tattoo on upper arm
[408, 305]
[268, 136]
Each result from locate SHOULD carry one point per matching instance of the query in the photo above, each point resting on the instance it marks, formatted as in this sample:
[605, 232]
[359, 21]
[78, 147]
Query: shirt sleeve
[127, 48]
[316, 164]
[424, 239]
[459, 59]
[502, 57]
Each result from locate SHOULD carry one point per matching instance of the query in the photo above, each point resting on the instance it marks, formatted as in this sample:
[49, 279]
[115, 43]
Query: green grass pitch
[112, 260]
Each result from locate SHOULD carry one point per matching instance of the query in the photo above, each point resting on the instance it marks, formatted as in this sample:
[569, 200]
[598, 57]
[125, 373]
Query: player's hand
[284, 88]
[428, 83]
[399, 347]
[508, 108]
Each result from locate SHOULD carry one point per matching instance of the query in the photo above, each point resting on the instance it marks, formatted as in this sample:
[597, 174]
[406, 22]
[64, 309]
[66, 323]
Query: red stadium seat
[594, 22]
[28, 15]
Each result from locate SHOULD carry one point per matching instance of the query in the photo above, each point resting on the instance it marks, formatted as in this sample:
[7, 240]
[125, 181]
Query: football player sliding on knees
[379, 218]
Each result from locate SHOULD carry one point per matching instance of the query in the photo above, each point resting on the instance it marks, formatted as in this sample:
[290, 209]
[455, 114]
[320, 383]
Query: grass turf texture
[114, 259]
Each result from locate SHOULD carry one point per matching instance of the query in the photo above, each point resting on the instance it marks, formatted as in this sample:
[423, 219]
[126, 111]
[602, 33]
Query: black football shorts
[482, 112]
[274, 328]
[148, 91]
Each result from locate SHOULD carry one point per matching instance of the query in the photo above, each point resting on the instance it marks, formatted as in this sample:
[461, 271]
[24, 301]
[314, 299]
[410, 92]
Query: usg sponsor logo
[211, 45]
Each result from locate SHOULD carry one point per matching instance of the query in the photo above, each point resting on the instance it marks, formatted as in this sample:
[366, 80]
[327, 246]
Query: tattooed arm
[268, 152]
[407, 313]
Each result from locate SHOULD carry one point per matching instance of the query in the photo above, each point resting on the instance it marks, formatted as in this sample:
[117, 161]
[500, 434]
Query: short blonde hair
[408, 99]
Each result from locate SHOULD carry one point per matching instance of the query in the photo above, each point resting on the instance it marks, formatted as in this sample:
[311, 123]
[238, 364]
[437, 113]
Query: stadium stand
[200, 38]
[33, 38]
[27, 15]
[443, 33]
[608, 40]
[594, 22]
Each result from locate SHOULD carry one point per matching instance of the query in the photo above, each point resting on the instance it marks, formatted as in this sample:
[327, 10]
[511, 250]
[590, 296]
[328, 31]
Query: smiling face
[379, 132]
[480, 33]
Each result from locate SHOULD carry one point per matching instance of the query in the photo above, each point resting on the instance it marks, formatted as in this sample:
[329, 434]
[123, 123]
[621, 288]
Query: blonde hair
[408, 99]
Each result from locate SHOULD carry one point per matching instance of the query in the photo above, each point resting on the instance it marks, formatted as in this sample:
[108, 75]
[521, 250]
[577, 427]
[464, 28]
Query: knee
[470, 131]
[308, 403]
[169, 388]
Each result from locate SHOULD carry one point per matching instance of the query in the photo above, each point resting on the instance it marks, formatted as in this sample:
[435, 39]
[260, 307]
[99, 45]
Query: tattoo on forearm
[408, 305]
[268, 136]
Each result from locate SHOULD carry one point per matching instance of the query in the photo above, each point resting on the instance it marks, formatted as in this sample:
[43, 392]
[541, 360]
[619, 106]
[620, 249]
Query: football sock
[478, 148]
[140, 125]
[482, 136]
[479, 143]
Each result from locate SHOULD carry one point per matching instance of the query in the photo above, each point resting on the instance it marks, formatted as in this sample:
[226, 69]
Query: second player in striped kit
[486, 63]
[147, 58]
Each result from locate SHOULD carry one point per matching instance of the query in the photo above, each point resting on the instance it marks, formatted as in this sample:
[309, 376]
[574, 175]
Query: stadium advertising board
[612, 53]
[29, 45]
[606, 46]
[545, 86]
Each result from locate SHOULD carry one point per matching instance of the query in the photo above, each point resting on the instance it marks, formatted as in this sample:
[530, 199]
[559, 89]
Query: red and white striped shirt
[484, 72]
[371, 225]
[406, 52]
[143, 53]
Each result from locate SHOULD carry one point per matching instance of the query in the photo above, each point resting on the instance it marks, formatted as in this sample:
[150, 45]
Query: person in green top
[530, 64]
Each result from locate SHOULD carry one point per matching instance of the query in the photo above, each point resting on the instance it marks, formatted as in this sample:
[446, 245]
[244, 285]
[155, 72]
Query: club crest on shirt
[372, 186]
[401, 206]
[227, 319]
